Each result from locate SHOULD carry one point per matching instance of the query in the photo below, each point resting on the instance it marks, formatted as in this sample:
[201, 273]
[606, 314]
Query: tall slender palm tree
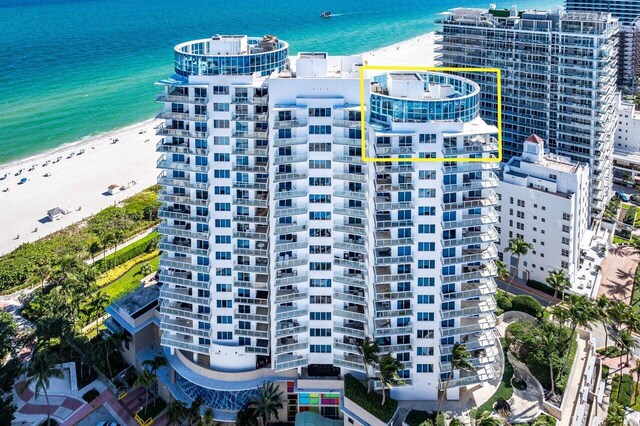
[267, 403]
[559, 283]
[369, 350]
[110, 343]
[636, 370]
[145, 379]
[40, 370]
[626, 343]
[602, 307]
[518, 247]
[581, 313]
[155, 364]
[94, 248]
[95, 307]
[549, 344]
[177, 411]
[388, 367]
[40, 275]
[502, 269]
[459, 361]
[194, 410]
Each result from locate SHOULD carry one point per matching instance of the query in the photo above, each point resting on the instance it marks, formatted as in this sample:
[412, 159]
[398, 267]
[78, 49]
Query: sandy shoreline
[79, 183]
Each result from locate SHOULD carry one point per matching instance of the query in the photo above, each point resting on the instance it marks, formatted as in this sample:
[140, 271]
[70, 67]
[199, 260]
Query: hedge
[370, 402]
[543, 287]
[625, 390]
[144, 245]
[527, 304]
[117, 272]
[504, 303]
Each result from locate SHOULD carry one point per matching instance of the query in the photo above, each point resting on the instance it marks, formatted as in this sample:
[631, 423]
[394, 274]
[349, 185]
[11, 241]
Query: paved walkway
[60, 406]
[618, 270]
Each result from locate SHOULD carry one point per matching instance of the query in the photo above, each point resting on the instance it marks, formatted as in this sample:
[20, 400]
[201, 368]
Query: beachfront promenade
[82, 180]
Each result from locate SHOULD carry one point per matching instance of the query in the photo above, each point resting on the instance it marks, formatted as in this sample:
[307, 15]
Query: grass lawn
[129, 281]
[619, 240]
[505, 390]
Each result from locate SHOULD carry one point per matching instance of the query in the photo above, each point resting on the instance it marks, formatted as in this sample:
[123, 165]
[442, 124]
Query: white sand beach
[79, 182]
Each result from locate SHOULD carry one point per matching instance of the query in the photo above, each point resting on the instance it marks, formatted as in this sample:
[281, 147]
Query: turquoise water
[71, 69]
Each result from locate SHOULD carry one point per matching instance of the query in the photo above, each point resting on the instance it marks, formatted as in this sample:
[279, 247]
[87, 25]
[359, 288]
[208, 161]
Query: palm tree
[550, 345]
[388, 367]
[602, 307]
[94, 248]
[616, 415]
[177, 411]
[618, 313]
[96, 306]
[484, 419]
[106, 240]
[194, 410]
[517, 247]
[636, 370]
[559, 282]
[369, 351]
[581, 312]
[267, 403]
[155, 364]
[145, 379]
[207, 419]
[459, 361]
[110, 343]
[245, 417]
[40, 275]
[40, 369]
[502, 270]
[626, 343]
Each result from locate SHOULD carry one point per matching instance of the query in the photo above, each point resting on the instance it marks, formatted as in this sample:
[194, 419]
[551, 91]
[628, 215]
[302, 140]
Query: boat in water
[325, 15]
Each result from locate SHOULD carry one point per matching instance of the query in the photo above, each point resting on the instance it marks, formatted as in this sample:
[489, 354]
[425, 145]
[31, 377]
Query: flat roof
[404, 76]
[139, 299]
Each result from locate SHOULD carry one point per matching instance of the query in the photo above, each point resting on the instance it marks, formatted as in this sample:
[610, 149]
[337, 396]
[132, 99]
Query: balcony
[383, 275]
[289, 159]
[261, 315]
[290, 295]
[384, 328]
[185, 343]
[177, 97]
[182, 295]
[184, 116]
[256, 185]
[253, 301]
[290, 229]
[354, 195]
[351, 177]
[291, 211]
[351, 261]
[278, 142]
[183, 327]
[349, 159]
[470, 325]
[175, 309]
[479, 358]
[349, 124]
[289, 312]
[467, 379]
[351, 296]
[165, 130]
[259, 150]
[471, 273]
[257, 167]
[249, 135]
[167, 212]
[474, 237]
[251, 202]
[286, 177]
[260, 233]
[292, 193]
[290, 327]
[289, 124]
[349, 361]
[352, 279]
[260, 216]
[348, 344]
[488, 200]
[165, 180]
[286, 362]
[250, 100]
[485, 254]
[350, 328]
[347, 141]
[476, 145]
[290, 261]
[355, 313]
[472, 185]
[471, 308]
[183, 263]
[185, 231]
[482, 289]
[350, 211]
[250, 117]
[261, 282]
[291, 344]
[351, 228]
[489, 217]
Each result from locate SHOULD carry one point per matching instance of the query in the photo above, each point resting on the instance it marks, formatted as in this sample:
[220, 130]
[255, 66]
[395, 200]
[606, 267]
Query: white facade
[558, 80]
[544, 201]
[282, 248]
[627, 144]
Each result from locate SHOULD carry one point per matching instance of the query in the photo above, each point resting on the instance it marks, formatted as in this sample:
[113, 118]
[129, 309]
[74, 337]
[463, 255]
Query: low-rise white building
[544, 201]
[627, 145]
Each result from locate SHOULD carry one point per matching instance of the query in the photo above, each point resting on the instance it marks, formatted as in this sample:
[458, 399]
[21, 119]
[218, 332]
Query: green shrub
[371, 402]
[630, 216]
[543, 287]
[625, 390]
[504, 303]
[420, 418]
[526, 304]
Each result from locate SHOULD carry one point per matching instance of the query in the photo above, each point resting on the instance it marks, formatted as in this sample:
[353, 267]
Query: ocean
[72, 69]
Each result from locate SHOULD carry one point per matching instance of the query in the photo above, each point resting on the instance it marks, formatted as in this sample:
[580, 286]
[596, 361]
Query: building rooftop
[140, 299]
[404, 76]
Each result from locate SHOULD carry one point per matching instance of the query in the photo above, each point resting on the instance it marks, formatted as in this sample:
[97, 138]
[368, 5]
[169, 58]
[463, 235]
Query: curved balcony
[289, 124]
[278, 142]
[471, 326]
[179, 98]
[472, 273]
[484, 288]
[469, 220]
[473, 255]
[471, 308]
[486, 200]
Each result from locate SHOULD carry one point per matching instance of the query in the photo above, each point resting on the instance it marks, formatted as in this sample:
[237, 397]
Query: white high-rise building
[558, 80]
[283, 249]
[544, 200]
[627, 144]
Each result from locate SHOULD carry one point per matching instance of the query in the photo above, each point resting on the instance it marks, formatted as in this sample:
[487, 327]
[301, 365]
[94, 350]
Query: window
[315, 299]
[320, 282]
[426, 229]
[320, 198]
[224, 335]
[425, 334]
[427, 138]
[426, 281]
[319, 130]
[320, 316]
[426, 246]
[319, 164]
[319, 112]
[320, 332]
[427, 299]
[425, 316]
[224, 303]
[224, 319]
[320, 266]
[426, 264]
[425, 351]
[319, 215]
[424, 368]
[320, 181]
[427, 211]
[320, 349]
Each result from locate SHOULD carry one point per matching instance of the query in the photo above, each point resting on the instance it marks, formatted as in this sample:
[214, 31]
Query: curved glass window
[217, 399]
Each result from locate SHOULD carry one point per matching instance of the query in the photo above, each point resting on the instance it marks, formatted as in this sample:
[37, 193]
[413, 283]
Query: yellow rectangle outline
[436, 69]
